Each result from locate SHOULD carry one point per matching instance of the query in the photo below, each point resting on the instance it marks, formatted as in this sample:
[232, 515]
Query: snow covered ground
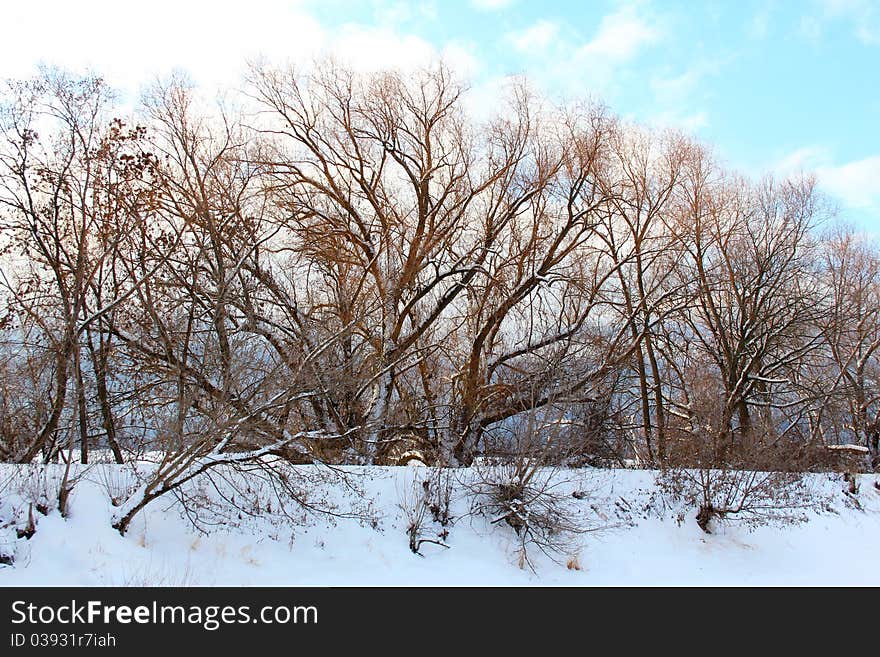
[643, 540]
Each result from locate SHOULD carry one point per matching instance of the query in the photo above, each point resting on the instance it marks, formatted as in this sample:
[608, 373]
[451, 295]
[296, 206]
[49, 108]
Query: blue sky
[773, 85]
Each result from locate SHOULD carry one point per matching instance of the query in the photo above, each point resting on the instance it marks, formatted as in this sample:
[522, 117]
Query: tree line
[345, 268]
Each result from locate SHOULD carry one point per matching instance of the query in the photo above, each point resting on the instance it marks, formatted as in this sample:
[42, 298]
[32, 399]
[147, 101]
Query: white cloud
[131, 45]
[856, 183]
[370, 48]
[808, 158]
[811, 28]
[862, 15]
[621, 36]
[676, 88]
[367, 48]
[691, 122]
[534, 38]
[487, 96]
[398, 13]
[680, 98]
[868, 34]
[463, 58]
[491, 5]
[759, 26]
[561, 62]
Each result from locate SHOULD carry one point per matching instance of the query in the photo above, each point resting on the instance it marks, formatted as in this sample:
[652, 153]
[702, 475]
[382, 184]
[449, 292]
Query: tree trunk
[51, 424]
[99, 365]
[81, 408]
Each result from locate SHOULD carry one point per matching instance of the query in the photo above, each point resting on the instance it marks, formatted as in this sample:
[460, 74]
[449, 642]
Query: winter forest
[328, 271]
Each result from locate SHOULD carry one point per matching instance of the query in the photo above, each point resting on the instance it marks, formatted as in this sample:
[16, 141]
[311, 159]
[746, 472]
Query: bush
[753, 497]
[423, 497]
[528, 498]
[230, 497]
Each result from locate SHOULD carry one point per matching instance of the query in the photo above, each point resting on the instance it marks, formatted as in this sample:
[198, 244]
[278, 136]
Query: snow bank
[644, 541]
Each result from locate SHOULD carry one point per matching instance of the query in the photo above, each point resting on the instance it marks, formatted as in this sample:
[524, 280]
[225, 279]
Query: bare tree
[408, 210]
[852, 332]
[749, 269]
[65, 172]
[644, 175]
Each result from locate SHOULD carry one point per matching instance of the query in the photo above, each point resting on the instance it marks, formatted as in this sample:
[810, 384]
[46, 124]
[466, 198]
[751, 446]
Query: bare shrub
[412, 502]
[39, 485]
[28, 492]
[529, 499]
[7, 522]
[525, 491]
[119, 481]
[741, 470]
[753, 497]
[275, 491]
[150, 576]
[439, 492]
[421, 498]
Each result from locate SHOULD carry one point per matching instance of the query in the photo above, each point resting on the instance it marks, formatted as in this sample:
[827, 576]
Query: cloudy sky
[774, 85]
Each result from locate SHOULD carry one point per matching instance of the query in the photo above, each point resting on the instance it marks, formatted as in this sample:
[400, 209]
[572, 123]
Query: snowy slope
[643, 541]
